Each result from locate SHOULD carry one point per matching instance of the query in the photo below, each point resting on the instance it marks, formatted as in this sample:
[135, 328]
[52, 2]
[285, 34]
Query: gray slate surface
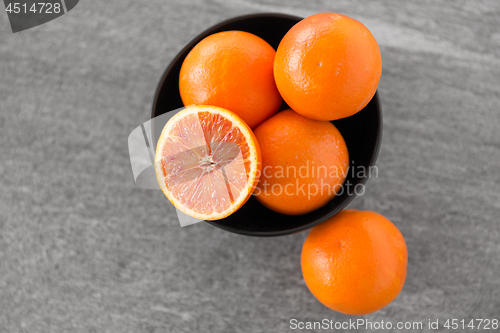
[82, 249]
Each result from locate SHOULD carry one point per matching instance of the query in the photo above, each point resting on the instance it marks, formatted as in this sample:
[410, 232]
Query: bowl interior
[362, 133]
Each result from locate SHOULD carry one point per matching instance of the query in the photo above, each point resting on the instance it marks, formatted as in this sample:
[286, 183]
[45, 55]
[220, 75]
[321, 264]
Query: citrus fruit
[207, 162]
[327, 66]
[232, 70]
[304, 163]
[355, 262]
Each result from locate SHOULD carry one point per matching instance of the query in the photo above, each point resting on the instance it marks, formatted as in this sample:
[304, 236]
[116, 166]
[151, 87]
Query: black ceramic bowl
[362, 133]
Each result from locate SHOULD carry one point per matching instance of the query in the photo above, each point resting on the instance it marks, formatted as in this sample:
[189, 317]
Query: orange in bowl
[232, 70]
[328, 66]
[304, 163]
[207, 162]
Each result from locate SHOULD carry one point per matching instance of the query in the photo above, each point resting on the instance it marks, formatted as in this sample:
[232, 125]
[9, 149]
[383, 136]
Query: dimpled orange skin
[328, 66]
[312, 154]
[232, 70]
[355, 262]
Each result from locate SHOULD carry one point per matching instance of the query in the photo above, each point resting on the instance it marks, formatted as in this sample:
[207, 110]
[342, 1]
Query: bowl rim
[190, 44]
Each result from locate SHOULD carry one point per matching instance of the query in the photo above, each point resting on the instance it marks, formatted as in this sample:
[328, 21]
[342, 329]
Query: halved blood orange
[207, 162]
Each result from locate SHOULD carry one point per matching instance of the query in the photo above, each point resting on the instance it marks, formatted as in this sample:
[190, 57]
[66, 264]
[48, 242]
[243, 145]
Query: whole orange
[304, 163]
[232, 70]
[328, 66]
[355, 262]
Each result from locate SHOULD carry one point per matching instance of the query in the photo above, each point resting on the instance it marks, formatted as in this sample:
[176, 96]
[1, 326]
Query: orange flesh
[205, 162]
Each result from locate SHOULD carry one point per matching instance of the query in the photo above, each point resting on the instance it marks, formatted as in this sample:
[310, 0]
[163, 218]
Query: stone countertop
[83, 249]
